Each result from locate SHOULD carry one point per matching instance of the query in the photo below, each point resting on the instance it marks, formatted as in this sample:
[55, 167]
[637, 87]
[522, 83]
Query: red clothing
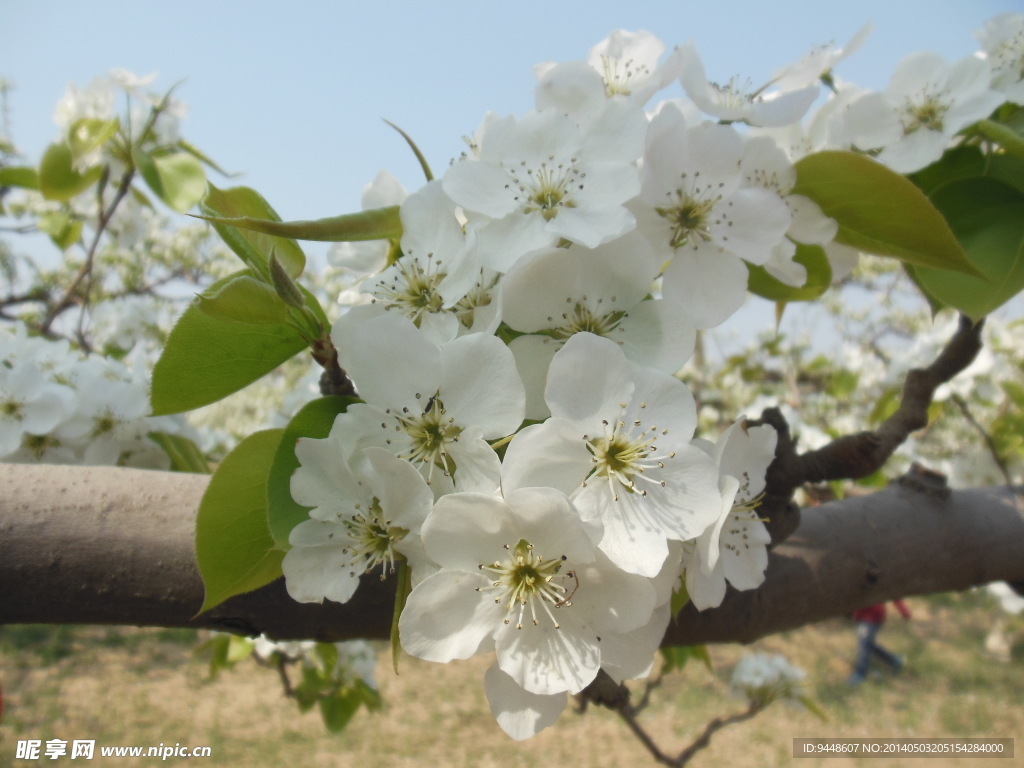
[875, 614]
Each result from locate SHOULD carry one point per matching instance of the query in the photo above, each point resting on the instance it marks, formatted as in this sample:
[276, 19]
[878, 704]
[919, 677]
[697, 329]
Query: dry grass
[126, 686]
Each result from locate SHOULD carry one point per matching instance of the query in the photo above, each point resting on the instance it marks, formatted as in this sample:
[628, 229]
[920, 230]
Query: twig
[282, 672]
[861, 454]
[67, 299]
[989, 442]
[615, 696]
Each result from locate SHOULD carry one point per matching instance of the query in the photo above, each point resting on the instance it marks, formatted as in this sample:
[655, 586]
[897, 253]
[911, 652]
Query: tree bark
[104, 545]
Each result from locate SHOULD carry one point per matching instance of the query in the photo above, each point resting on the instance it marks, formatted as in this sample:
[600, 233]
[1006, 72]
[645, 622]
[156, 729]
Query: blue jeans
[866, 646]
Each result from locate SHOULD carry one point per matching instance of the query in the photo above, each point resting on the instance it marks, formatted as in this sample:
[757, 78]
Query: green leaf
[957, 163]
[244, 300]
[58, 180]
[819, 277]
[701, 652]
[238, 648]
[328, 654]
[401, 596]
[886, 405]
[185, 455]
[680, 597]
[987, 216]
[338, 709]
[234, 549]
[1004, 136]
[376, 224]
[307, 693]
[206, 360]
[63, 230]
[19, 176]
[89, 134]
[243, 203]
[1008, 169]
[314, 420]
[415, 150]
[879, 211]
[177, 179]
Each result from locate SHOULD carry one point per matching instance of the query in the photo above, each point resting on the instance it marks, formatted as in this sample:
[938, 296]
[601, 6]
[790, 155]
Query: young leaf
[957, 163]
[813, 706]
[376, 224]
[177, 179]
[227, 205]
[62, 229]
[314, 420]
[880, 211]
[819, 277]
[205, 359]
[58, 180]
[234, 549]
[19, 176]
[89, 134]
[184, 454]
[244, 300]
[987, 216]
[674, 657]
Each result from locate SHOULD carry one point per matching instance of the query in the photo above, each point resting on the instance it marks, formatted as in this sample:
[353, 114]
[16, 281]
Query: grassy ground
[124, 686]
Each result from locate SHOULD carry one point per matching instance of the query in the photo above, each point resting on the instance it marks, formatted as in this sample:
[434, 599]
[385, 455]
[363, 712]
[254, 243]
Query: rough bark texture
[115, 546]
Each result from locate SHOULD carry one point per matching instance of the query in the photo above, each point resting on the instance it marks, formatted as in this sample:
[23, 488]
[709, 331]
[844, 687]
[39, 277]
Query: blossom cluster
[764, 678]
[525, 445]
[60, 407]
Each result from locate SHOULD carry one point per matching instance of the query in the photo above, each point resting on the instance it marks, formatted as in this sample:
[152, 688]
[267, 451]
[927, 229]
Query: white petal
[546, 519]
[445, 618]
[810, 224]
[709, 283]
[588, 379]
[429, 225]
[520, 714]
[612, 600]
[383, 191]
[466, 529]
[633, 539]
[480, 187]
[705, 590]
[871, 122]
[344, 327]
[708, 541]
[439, 327]
[404, 496]
[744, 555]
[783, 108]
[504, 241]
[912, 153]
[391, 363]
[591, 226]
[842, 258]
[546, 660]
[533, 356]
[481, 386]
[478, 468]
[313, 573]
[916, 73]
[745, 453]
[617, 132]
[783, 268]
[751, 223]
[658, 334]
[551, 454]
[324, 480]
[662, 403]
[573, 88]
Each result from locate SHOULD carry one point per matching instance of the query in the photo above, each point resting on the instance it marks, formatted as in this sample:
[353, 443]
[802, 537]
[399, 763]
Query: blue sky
[291, 94]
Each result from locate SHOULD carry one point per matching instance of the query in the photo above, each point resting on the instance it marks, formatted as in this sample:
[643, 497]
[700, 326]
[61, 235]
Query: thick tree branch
[105, 545]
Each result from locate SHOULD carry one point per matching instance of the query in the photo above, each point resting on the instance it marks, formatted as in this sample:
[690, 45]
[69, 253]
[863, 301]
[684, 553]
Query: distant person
[869, 621]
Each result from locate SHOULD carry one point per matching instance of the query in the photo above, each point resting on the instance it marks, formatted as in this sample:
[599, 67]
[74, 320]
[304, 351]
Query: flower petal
[446, 618]
[519, 713]
[588, 379]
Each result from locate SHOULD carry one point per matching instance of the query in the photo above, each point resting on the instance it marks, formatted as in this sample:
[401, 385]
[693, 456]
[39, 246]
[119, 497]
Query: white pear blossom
[764, 678]
[30, 407]
[734, 548]
[367, 511]
[619, 442]
[543, 178]
[739, 101]
[109, 418]
[926, 103]
[766, 165]
[561, 292]
[434, 406]
[370, 256]
[519, 713]
[1002, 41]
[622, 66]
[435, 283]
[693, 209]
[520, 576]
[818, 63]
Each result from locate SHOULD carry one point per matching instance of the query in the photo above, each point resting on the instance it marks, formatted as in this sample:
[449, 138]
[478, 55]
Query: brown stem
[334, 380]
[67, 299]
